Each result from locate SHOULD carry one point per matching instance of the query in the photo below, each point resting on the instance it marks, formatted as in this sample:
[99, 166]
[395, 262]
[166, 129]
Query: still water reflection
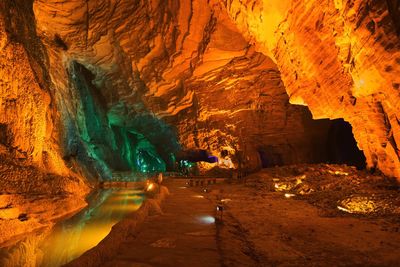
[70, 238]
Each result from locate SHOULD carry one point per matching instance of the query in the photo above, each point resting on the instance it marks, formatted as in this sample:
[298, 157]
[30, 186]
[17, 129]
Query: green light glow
[117, 138]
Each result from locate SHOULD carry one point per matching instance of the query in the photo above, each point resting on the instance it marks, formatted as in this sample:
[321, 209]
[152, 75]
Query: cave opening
[342, 147]
[327, 141]
[157, 137]
[270, 158]
[3, 134]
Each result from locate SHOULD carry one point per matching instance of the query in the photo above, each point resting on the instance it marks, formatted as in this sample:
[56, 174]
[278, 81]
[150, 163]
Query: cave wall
[108, 39]
[30, 153]
[243, 107]
[187, 63]
[53, 111]
[340, 58]
[201, 74]
[26, 110]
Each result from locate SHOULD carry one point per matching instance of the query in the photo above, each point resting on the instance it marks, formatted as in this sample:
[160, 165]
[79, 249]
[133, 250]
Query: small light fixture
[207, 219]
[150, 187]
[343, 209]
[220, 209]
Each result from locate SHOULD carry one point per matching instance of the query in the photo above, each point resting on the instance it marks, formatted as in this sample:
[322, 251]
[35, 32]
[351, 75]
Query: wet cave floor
[300, 215]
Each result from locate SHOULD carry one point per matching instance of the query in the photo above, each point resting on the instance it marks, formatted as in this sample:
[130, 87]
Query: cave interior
[281, 100]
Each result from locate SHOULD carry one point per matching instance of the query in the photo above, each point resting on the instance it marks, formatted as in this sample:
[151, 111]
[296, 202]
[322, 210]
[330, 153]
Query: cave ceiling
[93, 79]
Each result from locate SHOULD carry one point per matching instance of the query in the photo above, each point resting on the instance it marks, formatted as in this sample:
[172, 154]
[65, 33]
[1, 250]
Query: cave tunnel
[342, 147]
[196, 133]
[270, 158]
[334, 144]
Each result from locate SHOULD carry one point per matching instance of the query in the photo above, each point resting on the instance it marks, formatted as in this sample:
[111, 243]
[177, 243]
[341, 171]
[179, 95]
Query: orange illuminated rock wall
[205, 67]
[186, 62]
[29, 138]
[34, 180]
[340, 58]
[26, 113]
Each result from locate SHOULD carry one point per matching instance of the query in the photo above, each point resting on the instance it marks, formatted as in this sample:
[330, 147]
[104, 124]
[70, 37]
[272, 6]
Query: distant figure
[159, 178]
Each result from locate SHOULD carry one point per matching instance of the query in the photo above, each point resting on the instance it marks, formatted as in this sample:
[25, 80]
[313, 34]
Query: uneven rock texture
[126, 83]
[185, 62]
[89, 87]
[264, 228]
[340, 58]
[31, 199]
[25, 113]
[36, 186]
[242, 106]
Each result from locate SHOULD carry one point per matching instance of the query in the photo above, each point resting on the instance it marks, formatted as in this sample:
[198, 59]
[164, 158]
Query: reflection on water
[71, 238]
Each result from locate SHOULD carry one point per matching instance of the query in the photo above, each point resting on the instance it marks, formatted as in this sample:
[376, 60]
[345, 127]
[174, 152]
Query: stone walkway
[184, 235]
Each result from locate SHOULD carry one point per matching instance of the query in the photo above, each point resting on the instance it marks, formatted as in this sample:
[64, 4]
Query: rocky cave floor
[309, 215]
[300, 215]
[333, 188]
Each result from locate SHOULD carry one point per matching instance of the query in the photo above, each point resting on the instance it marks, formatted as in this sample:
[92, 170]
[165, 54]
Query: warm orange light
[288, 195]
[83, 231]
[343, 209]
[338, 173]
[150, 187]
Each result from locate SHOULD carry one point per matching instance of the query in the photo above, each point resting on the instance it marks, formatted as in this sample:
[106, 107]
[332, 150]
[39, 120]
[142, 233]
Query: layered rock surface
[35, 183]
[112, 74]
[26, 116]
[188, 64]
[340, 58]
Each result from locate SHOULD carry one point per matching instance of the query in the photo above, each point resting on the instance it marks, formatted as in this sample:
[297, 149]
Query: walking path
[184, 235]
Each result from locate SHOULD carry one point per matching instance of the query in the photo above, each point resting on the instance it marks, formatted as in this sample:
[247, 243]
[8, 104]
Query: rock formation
[89, 87]
[340, 58]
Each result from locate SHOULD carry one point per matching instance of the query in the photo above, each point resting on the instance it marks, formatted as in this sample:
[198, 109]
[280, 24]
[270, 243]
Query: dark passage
[3, 134]
[342, 147]
[270, 158]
